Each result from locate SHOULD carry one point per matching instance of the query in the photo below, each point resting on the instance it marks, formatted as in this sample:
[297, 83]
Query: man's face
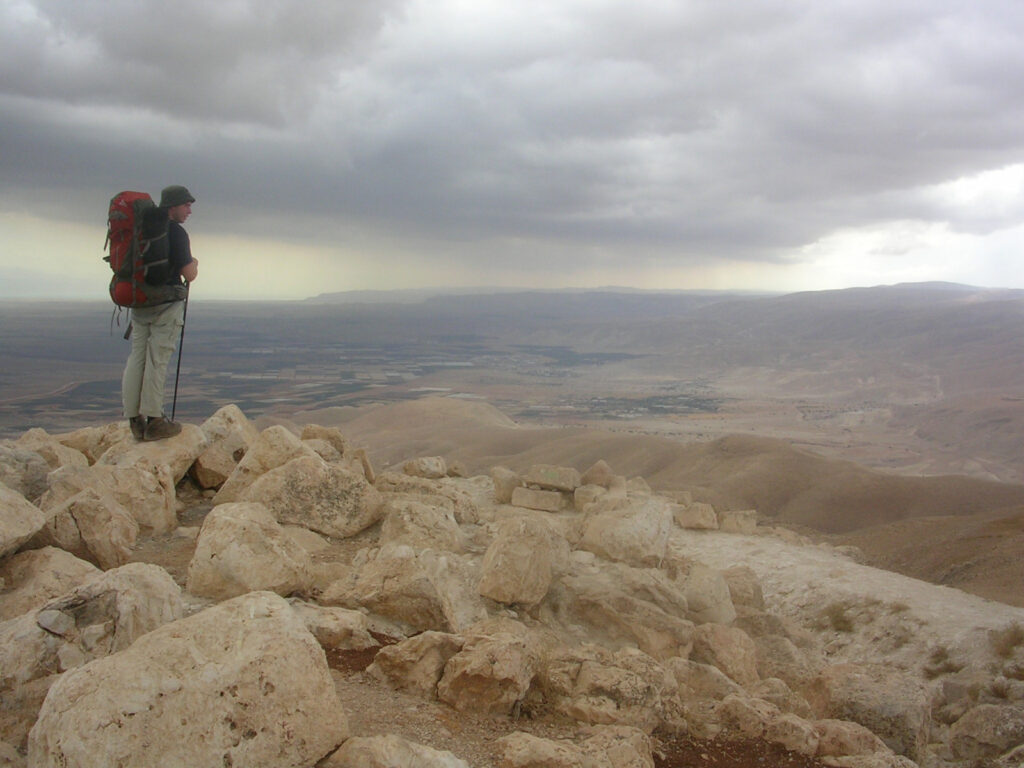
[180, 212]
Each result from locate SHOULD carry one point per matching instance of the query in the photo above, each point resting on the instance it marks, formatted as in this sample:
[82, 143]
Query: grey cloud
[739, 129]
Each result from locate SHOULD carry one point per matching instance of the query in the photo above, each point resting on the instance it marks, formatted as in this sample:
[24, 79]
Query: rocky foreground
[628, 617]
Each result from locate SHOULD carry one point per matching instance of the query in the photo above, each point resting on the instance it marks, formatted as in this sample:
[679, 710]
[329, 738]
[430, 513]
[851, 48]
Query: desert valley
[846, 466]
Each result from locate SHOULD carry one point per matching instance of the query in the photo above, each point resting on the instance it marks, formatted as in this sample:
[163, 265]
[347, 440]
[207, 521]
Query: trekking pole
[181, 343]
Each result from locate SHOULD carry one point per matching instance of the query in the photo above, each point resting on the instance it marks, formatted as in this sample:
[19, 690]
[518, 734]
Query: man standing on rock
[155, 330]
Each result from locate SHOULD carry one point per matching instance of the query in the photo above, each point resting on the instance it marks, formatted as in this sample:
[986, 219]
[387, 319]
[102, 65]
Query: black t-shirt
[179, 250]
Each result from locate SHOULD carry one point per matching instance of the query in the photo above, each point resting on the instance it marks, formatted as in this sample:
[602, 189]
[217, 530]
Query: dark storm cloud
[742, 129]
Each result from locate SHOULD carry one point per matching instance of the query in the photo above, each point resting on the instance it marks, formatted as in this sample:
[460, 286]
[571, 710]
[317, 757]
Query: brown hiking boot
[159, 428]
[138, 427]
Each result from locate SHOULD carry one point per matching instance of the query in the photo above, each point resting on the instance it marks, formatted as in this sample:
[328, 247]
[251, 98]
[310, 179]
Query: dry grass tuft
[1005, 641]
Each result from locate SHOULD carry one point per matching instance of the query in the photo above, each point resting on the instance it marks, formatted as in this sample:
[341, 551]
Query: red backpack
[138, 252]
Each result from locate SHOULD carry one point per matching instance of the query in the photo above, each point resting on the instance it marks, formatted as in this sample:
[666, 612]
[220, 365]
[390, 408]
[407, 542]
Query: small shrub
[999, 688]
[1014, 671]
[1005, 641]
[941, 663]
[836, 616]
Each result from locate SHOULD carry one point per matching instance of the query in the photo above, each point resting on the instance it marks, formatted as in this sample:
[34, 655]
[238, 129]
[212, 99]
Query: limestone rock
[779, 657]
[390, 751]
[100, 617]
[701, 681]
[325, 450]
[274, 447]
[524, 750]
[838, 738]
[599, 474]
[23, 471]
[745, 716]
[323, 497]
[505, 482]
[242, 548]
[586, 495]
[728, 648]
[93, 442]
[738, 521]
[518, 565]
[429, 467]
[228, 437]
[92, 526]
[793, 733]
[697, 516]
[707, 593]
[489, 673]
[610, 746]
[415, 521]
[636, 533]
[541, 500]
[37, 576]
[360, 458]
[336, 629]
[20, 520]
[147, 493]
[628, 607]
[987, 730]
[330, 435]
[240, 683]
[552, 478]
[893, 705]
[420, 590]
[596, 686]
[416, 664]
[781, 695]
[178, 452]
[744, 590]
[55, 453]
[463, 505]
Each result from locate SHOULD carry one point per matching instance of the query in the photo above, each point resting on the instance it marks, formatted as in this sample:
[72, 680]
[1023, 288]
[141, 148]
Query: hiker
[155, 330]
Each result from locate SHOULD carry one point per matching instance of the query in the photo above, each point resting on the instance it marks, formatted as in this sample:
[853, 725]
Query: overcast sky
[343, 145]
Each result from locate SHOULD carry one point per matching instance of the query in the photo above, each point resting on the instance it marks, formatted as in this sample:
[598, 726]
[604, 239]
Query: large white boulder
[491, 673]
[100, 617]
[242, 683]
[55, 453]
[242, 548]
[37, 576]
[228, 435]
[146, 492]
[619, 606]
[521, 560]
[178, 453]
[420, 523]
[274, 447]
[635, 531]
[418, 589]
[417, 663]
[597, 686]
[93, 526]
[20, 520]
[893, 705]
[323, 497]
[23, 471]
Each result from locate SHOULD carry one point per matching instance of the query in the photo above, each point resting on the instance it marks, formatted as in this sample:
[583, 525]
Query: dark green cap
[175, 195]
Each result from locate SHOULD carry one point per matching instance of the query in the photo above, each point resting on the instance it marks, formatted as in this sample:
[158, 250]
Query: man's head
[178, 202]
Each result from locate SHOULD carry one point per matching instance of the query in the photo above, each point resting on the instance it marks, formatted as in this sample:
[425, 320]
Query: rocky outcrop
[582, 595]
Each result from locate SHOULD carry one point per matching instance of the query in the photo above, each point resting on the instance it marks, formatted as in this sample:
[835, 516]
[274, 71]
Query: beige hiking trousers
[155, 333]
